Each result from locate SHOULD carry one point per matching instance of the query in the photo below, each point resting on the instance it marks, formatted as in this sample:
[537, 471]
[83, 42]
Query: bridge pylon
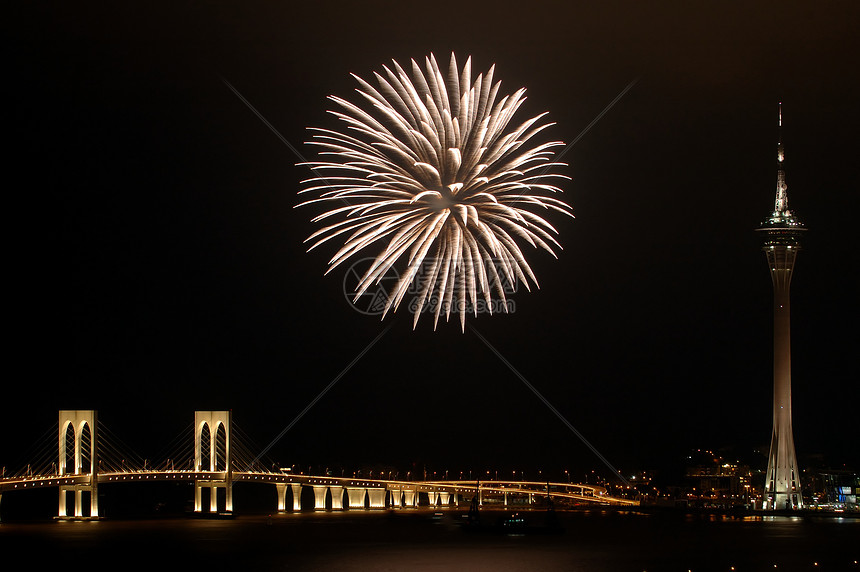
[77, 420]
[221, 478]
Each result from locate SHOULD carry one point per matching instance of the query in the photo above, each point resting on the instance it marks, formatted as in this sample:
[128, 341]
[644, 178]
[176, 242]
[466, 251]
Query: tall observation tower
[781, 233]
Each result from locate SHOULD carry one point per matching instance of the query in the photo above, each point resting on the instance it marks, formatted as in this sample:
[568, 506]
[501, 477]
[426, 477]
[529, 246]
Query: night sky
[155, 264]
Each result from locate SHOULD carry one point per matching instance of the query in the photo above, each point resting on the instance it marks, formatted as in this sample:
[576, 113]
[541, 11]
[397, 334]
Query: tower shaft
[782, 487]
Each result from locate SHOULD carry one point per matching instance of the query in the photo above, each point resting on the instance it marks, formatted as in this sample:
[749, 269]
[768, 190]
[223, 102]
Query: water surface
[592, 540]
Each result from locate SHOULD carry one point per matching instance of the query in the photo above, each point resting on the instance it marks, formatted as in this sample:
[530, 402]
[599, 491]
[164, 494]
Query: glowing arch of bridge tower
[78, 419]
[213, 420]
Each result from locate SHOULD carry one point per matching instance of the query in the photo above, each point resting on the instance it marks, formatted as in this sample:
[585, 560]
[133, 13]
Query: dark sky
[155, 262]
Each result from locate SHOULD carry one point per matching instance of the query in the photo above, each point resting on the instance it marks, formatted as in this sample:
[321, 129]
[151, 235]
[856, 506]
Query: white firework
[431, 170]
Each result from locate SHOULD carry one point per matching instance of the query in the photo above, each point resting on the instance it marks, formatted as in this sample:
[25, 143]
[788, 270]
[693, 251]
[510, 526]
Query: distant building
[835, 490]
[713, 482]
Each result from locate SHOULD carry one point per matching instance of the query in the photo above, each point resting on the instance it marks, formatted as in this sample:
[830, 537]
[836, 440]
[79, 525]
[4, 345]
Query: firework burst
[430, 171]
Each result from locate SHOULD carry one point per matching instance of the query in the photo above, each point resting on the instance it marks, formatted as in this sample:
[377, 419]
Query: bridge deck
[573, 491]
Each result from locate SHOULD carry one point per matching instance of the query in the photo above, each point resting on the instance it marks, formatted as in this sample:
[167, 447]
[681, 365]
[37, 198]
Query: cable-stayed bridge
[78, 454]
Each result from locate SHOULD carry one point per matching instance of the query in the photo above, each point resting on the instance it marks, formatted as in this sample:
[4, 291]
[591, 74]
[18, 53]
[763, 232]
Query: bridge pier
[410, 498]
[297, 496]
[78, 504]
[62, 511]
[376, 497]
[282, 496]
[213, 487]
[396, 498]
[356, 496]
[319, 496]
[444, 498]
[433, 497]
[336, 498]
[296, 488]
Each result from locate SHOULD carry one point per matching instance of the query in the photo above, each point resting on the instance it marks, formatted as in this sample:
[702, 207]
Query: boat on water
[516, 522]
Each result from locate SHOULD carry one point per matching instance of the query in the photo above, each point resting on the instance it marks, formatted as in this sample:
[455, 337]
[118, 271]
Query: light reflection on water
[595, 540]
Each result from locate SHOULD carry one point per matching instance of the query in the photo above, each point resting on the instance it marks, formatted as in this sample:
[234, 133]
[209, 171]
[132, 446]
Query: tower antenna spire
[780, 206]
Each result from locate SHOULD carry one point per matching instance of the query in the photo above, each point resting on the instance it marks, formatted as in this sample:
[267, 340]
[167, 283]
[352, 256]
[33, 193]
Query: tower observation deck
[781, 233]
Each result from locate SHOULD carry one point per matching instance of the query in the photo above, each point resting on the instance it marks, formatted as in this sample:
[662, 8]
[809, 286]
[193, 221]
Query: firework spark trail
[263, 119]
[432, 169]
[597, 118]
[320, 395]
[549, 405]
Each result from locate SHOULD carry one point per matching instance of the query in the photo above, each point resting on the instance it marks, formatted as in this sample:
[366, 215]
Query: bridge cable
[120, 445]
[110, 457]
[240, 451]
[43, 452]
[594, 121]
[122, 457]
[179, 448]
[243, 456]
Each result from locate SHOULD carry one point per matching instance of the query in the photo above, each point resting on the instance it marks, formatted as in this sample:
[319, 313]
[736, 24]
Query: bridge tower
[77, 420]
[781, 233]
[221, 478]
